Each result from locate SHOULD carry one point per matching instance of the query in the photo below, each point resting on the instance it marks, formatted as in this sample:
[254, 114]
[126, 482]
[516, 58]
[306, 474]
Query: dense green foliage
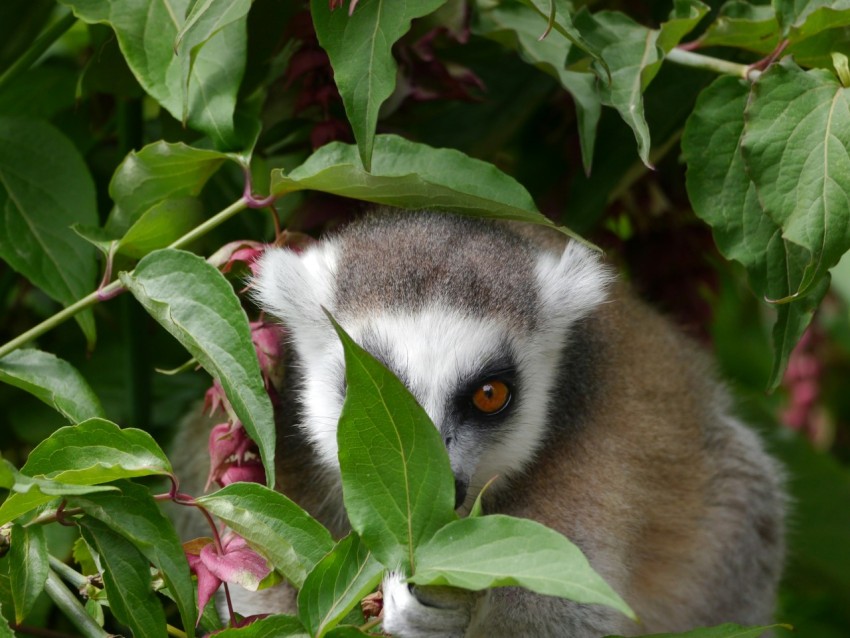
[134, 138]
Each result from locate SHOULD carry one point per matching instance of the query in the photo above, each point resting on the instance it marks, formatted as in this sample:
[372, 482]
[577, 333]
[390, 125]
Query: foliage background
[478, 95]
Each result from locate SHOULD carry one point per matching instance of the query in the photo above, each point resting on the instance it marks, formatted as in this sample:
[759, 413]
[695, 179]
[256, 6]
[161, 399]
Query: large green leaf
[720, 631]
[96, 451]
[500, 551]
[158, 172]
[52, 380]
[797, 151]
[360, 50]
[45, 187]
[133, 514]
[29, 563]
[201, 92]
[411, 175]
[337, 584]
[27, 493]
[724, 196]
[195, 303]
[396, 479]
[516, 25]
[127, 579]
[291, 539]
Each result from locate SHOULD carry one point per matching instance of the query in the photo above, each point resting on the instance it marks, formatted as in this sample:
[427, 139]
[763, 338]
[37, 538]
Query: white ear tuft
[294, 287]
[571, 286]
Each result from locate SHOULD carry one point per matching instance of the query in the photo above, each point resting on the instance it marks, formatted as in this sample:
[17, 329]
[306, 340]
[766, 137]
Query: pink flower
[266, 338]
[238, 252]
[236, 563]
[215, 398]
[233, 456]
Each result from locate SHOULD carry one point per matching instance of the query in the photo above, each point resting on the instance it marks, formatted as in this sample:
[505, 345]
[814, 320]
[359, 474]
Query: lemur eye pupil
[491, 397]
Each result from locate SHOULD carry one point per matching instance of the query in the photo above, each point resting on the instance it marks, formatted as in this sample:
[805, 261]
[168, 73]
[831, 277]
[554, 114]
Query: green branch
[115, 287]
[37, 48]
[716, 65]
[68, 603]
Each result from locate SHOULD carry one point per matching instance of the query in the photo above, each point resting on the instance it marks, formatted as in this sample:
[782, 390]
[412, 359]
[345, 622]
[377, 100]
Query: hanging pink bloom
[242, 251]
[266, 338]
[233, 456]
[215, 399]
[236, 563]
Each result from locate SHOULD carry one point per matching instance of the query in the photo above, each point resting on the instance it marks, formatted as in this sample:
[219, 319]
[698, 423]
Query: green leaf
[685, 15]
[723, 195]
[270, 627]
[133, 514]
[797, 151]
[30, 564]
[415, 176]
[5, 630]
[277, 528]
[7, 474]
[396, 479]
[195, 303]
[791, 322]
[28, 493]
[337, 584]
[45, 187]
[96, 451]
[360, 50]
[501, 551]
[208, 17]
[127, 579]
[146, 33]
[518, 27]
[53, 381]
[558, 14]
[346, 631]
[720, 631]
[158, 172]
[160, 225]
[633, 55]
[802, 19]
[744, 26]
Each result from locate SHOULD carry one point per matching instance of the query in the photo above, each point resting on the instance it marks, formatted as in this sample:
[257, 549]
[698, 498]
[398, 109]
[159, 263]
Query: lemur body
[616, 433]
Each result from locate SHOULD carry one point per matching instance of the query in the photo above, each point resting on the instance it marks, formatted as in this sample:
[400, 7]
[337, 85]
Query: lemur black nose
[461, 487]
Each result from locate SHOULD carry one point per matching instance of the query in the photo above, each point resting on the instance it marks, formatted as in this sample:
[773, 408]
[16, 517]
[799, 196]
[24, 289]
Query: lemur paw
[426, 612]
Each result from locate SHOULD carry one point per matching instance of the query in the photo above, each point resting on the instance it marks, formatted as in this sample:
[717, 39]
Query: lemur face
[475, 331]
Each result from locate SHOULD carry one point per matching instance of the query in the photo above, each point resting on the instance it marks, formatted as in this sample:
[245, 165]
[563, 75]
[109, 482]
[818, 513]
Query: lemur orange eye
[491, 397]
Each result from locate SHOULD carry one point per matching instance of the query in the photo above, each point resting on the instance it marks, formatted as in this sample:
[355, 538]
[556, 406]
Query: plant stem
[37, 48]
[92, 298]
[214, 221]
[68, 573]
[71, 607]
[700, 61]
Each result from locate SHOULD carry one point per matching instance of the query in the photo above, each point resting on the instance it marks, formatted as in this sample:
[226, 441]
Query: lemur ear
[571, 285]
[295, 286]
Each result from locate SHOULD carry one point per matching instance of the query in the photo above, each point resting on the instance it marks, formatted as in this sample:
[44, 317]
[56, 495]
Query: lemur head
[470, 316]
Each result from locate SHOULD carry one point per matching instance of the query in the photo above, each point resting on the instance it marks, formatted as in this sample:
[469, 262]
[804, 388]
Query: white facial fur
[435, 347]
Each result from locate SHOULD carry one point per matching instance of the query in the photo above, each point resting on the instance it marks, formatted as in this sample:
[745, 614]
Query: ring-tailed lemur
[600, 419]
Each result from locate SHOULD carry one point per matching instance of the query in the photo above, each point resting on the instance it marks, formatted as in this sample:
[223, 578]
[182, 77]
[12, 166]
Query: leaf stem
[71, 607]
[104, 292]
[37, 48]
[678, 55]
